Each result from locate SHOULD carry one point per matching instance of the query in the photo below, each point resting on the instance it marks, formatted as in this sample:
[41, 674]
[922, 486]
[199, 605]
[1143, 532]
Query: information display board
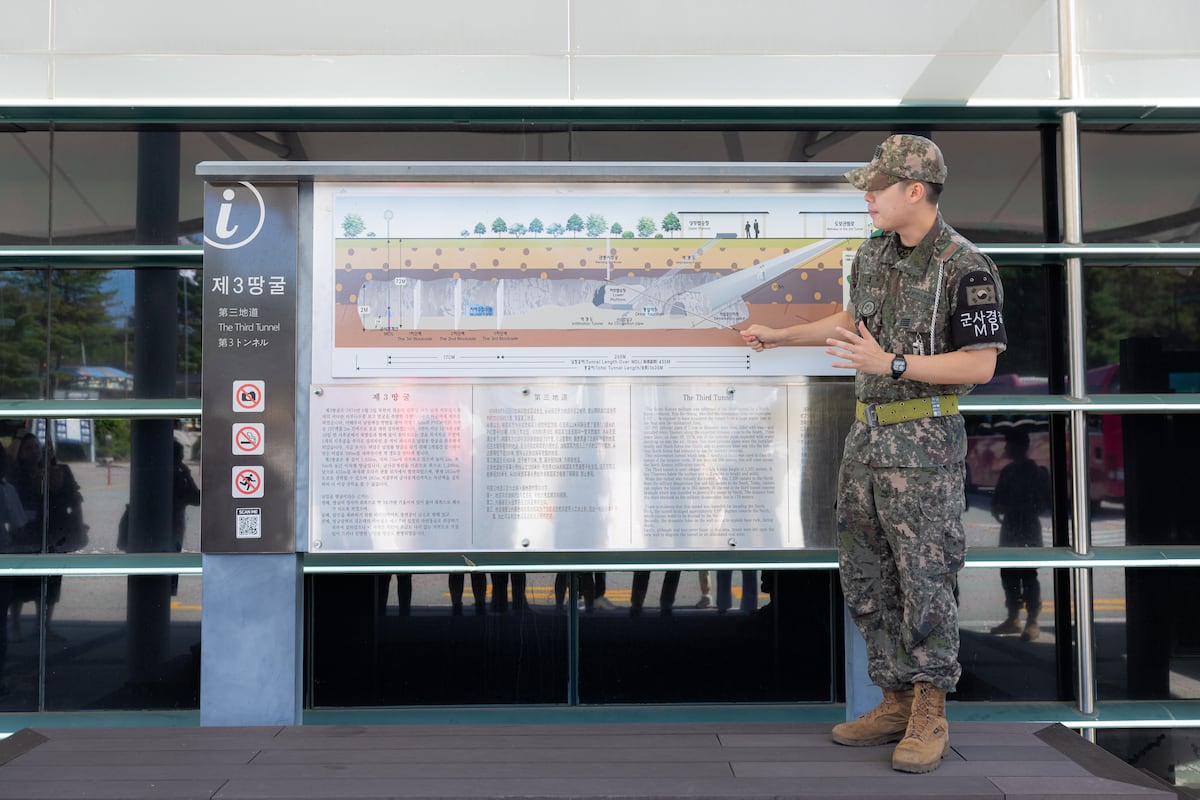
[508, 357]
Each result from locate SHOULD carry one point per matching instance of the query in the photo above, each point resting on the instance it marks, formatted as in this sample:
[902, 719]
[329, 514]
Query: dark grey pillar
[150, 473]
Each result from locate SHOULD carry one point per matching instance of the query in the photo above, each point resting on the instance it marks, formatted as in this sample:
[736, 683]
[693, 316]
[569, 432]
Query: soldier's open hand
[859, 351]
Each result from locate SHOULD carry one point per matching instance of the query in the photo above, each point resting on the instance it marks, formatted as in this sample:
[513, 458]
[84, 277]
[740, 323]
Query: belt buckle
[872, 416]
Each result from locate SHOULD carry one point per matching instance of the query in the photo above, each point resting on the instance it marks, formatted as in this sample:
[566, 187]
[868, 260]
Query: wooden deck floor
[702, 760]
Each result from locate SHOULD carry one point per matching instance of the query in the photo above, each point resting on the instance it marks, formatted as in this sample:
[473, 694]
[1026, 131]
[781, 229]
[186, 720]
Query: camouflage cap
[903, 157]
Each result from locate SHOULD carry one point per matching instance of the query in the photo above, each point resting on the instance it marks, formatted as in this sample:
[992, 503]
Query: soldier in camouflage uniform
[923, 327]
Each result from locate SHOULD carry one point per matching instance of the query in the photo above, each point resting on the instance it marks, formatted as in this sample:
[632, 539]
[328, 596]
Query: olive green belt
[875, 414]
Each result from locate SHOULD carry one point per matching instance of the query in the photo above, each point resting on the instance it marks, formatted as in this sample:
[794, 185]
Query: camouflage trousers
[900, 547]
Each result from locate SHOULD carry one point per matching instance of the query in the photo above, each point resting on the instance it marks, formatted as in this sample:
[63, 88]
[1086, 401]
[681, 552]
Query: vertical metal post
[573, 639]
[150, 464]
[1077, 366]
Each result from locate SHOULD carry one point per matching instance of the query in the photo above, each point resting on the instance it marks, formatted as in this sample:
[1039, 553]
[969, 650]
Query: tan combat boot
[884, 723]
[928, 736]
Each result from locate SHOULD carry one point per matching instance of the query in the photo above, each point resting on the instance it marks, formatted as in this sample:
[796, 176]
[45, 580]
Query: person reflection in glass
[14, 538]
[1022, 493]
[457, 582]
[592, 587]
[500, 581]
[37, 473]
[666, 596]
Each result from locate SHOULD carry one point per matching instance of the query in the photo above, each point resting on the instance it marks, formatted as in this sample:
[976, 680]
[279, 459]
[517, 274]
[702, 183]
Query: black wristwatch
[899, 364]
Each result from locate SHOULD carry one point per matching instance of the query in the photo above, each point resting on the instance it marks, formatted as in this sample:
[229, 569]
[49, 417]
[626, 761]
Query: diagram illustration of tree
[575, 224]
[596, 225]
[646, 227]
[480, 229]
[499, 226]
[670, 223]
[535, 226]
[353, 225]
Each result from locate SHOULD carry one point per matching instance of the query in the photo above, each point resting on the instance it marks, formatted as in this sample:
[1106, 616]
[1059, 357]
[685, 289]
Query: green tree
[535, 226]
[499, 226]
[555, 229]
[81, 329]
[518, 229]
[22, 332]
[616, 229]
[59, 320]
[671, 223]
[353, 225]
[646, 227]
[596, 225]
[480, 229]
[575, 224]
[464, 233]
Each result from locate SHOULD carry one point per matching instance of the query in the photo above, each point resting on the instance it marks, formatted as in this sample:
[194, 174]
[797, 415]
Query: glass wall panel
[1171, 754]
[697, 637]
[25, 187]
[436, 639]
[94, 178]
[95, 183]
[82, 504]
[20, 644]
[96, 333]
[1142, 473]
[122, 643]
[1008, 509]
[1147, 633]
[72, 334]
[1008, 638]
[1136, 314]
[1134, 189]
[108, 643]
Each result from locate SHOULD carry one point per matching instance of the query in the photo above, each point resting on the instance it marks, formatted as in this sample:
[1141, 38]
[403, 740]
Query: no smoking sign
[247, 439]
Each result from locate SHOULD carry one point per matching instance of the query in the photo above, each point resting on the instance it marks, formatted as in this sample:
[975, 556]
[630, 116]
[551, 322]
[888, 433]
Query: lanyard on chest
[892, 294]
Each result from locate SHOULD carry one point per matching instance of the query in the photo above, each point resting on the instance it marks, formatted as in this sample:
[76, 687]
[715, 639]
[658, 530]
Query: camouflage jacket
[945, 296]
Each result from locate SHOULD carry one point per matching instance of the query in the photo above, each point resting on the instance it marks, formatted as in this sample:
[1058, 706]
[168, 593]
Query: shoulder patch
[875, 234]
[948, 252]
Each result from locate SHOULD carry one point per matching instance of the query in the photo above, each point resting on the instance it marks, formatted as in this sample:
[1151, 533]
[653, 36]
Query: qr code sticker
[249, 523]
